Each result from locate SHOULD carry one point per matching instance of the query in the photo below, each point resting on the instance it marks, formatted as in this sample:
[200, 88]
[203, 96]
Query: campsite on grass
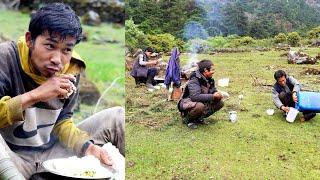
[247, 42]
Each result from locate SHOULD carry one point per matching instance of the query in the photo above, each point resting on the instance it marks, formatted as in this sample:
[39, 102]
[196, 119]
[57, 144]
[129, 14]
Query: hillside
[259, 18]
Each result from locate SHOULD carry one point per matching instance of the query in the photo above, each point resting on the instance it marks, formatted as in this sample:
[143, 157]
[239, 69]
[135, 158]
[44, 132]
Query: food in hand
[72, 90]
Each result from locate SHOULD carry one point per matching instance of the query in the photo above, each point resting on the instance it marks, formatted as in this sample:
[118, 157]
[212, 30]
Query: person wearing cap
[142, 69]
[284, 94]
[39, 82]
[200, 98]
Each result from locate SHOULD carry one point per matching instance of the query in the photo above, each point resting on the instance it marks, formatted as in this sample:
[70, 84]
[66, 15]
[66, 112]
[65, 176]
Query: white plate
[101, 172]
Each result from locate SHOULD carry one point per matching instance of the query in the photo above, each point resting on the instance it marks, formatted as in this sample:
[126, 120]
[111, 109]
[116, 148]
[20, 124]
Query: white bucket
[292, 114]
[233, 116]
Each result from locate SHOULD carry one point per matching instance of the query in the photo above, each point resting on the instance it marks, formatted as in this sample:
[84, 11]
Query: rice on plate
[88, 167]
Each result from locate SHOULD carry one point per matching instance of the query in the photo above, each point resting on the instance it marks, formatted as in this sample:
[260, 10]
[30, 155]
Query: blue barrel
[308, 101]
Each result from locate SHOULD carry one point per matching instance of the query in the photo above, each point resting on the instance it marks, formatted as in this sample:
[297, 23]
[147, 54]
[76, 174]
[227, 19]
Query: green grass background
[257, 146]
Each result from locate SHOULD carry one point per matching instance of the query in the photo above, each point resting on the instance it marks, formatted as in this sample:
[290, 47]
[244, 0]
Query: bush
[240, 42]
[162, 42]
[198, 46]
[314, 33]
[263, 43]
[217, 41]
[293, 38]
[135, 38]
[180, 44]
[280, 38]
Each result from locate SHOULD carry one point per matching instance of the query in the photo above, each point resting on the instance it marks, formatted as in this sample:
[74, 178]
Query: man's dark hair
[204, 64]
[149, 49]
[56, 18]
[278, 74]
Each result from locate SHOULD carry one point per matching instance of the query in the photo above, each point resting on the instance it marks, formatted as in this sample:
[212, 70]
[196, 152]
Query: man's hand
[154, 62]
[99, 153]
[57, 86]
[294, 97]
[54, 87]
[217, 96]
[285, 108]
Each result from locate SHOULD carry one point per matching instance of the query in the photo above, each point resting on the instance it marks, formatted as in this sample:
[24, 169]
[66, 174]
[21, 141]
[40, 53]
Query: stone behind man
[37, 76]
[200, 98]
[284, 94]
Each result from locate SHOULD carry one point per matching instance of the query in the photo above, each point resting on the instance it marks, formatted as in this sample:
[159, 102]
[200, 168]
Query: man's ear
[29, 39]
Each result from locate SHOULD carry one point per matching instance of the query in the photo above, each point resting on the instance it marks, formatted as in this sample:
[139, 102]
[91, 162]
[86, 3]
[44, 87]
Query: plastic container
[270, 112]
[308, 101]
[292, 114]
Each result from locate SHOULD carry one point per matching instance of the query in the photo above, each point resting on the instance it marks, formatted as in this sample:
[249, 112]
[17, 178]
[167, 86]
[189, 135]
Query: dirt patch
[256, 115]
[257, 81]
[310, 71]
[232, 107]
[284, 55]
[282, 47]
[282, 157]
[243, 109]
[130, 164]
[155, 123]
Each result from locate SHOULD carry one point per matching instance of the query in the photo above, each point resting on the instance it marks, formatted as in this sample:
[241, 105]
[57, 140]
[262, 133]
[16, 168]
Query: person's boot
[307, 117]
[192, 125]
[189, 122]
[202, 121]
[150, 86]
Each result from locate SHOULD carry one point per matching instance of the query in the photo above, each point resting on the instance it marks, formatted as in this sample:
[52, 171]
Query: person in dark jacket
[141, 71]
[200, 98]
[284, 94]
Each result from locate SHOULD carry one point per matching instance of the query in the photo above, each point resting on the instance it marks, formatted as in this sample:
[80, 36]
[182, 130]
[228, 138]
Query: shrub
[240, 42]
[180, 44]
[135, 38]
[217, 41]
[314, 33]
[280, 38]
[162, 42]
[293, 38]
[198, 46]
[263, 42]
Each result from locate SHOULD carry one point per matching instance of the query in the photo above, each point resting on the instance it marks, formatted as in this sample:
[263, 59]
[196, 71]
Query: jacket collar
[76, 65]
[201, 76]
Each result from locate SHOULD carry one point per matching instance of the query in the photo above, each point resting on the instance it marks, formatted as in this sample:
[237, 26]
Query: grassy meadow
[104, 62]
[257, 146]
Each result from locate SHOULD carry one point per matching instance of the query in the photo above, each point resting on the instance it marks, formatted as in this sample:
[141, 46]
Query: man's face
[148, 54]
[49, 54]
[209, 72]
[282, 81]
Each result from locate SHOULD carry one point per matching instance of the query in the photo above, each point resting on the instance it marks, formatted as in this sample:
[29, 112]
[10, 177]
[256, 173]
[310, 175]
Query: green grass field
[104, 62]
[257, 146]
